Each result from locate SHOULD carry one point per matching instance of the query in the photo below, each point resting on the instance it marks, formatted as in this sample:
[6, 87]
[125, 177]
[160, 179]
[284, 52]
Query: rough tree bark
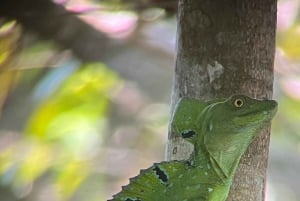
[227, 47]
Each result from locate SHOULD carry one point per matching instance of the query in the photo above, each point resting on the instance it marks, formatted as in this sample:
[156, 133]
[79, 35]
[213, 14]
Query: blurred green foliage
[10, 34]
[63, 132]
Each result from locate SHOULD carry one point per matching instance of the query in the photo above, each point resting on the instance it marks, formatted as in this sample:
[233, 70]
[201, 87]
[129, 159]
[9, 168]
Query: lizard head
[231, 125]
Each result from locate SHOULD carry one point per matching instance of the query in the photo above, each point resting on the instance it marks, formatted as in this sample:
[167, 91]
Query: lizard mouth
[269, 110]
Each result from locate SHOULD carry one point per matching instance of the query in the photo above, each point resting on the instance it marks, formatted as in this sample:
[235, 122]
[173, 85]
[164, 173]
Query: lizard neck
[202, 159]
[216, 184]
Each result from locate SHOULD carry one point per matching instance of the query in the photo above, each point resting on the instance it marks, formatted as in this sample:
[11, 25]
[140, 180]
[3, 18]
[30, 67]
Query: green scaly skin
[220, 131]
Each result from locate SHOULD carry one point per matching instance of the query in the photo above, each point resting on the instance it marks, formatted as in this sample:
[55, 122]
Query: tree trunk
[227, 47]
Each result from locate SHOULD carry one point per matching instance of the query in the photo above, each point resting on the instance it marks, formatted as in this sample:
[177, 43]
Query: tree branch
[52, 21]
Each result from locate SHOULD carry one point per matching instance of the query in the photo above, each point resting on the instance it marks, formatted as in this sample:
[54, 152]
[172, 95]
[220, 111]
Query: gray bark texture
[227, 47]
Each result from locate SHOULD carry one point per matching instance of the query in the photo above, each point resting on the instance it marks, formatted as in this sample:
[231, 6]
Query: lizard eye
[238, 102]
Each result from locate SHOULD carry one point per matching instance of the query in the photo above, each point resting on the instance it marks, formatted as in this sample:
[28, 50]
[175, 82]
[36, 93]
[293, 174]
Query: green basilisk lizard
[220, 131]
